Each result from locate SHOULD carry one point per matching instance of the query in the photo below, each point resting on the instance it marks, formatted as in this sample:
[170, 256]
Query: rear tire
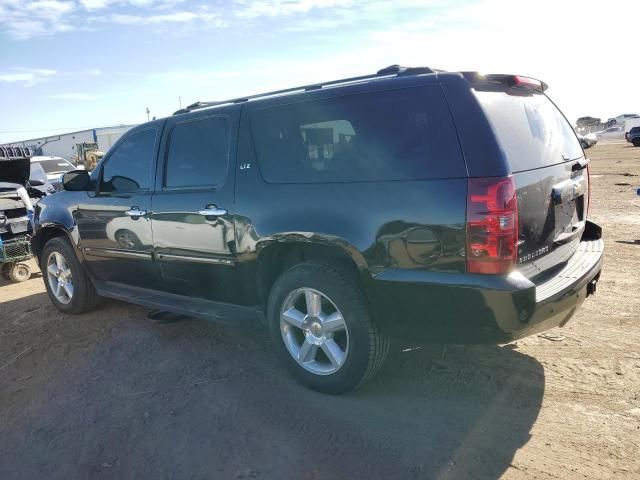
[636, 142]
[68, 285]
[19, 272]
[332, 347]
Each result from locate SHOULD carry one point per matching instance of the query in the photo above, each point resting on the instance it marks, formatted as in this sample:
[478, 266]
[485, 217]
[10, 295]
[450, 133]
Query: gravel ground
[110, 395]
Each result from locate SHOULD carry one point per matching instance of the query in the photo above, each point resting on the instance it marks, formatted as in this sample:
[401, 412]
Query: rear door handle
[135, 212]
[213, 211]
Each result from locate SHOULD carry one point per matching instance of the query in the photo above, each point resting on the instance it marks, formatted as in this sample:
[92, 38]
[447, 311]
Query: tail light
[492, 225]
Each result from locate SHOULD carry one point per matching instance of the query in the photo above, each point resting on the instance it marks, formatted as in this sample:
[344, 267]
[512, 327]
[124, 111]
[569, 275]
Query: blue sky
[72, 64]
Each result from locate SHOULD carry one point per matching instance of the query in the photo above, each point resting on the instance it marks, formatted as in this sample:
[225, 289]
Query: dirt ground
[110, 395]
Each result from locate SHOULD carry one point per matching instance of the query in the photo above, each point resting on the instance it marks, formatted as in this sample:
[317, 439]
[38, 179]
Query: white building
[64, 145]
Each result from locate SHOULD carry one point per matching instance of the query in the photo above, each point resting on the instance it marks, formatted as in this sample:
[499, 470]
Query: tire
[84, 296]
[636, 142]
[19, 272]
[362, 348]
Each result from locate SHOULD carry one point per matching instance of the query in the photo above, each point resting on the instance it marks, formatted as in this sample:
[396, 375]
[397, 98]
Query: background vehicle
[54, 167]
[39, 180]
[410, 202]
[588, 140]
[633, 136]
[88, 155]
[16, 212]
[610, 133]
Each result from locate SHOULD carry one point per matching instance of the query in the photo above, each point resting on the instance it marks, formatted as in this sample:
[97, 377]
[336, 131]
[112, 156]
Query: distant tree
[586, 121]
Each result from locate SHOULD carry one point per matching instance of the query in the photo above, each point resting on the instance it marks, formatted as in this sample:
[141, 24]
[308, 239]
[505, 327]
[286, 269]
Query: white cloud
[167, 18]
[27, 19]
[27, 77]
[176, 17]
[95, 4]
[274, 8]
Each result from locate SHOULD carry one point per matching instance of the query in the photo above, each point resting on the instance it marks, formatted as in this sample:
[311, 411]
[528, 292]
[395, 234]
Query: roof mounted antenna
[385, 72]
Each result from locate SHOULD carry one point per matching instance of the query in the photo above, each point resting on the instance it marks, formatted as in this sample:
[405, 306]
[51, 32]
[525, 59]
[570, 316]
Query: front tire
[19, 272]
[636, 142]
[68, 285]
[322, 328]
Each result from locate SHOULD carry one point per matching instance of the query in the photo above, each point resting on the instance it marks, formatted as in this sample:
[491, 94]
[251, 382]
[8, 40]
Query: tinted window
[128, 168]
[530, 129]
[394, 135]
[198, 152]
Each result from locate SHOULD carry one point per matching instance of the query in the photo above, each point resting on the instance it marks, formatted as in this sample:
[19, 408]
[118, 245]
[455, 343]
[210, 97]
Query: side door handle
[135, 213]
[212, 211]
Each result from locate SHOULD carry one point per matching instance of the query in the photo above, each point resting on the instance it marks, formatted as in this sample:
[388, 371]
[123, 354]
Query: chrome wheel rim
[314, 331]
[60, 278]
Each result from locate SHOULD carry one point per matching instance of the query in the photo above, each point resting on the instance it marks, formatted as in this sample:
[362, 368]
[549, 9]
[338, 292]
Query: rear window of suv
[403, 134]
[531, 130]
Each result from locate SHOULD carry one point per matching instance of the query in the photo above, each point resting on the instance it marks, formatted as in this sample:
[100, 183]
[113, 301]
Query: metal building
[64, 145]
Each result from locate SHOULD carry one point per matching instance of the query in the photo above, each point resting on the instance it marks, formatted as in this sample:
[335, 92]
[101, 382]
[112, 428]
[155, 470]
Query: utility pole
[148, 112]
[180, 102]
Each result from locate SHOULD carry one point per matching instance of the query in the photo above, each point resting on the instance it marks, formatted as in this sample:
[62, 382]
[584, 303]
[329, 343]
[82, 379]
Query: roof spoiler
[512, 81]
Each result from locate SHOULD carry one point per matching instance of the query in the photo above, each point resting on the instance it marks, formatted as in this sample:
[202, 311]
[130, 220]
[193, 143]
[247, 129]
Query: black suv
[411, 203]
[633, 136]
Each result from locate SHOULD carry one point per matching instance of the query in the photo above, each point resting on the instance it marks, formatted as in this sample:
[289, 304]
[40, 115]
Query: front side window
[128, 168]
[198, 153]
[403, 134]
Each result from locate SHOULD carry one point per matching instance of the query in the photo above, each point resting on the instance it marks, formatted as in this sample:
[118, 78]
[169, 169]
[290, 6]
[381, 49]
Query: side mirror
[76, 181]
[35, 182]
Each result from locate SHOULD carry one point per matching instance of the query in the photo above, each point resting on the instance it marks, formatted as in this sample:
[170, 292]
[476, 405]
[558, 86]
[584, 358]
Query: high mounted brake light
[528, 82]
[517, 81]
[492, 225]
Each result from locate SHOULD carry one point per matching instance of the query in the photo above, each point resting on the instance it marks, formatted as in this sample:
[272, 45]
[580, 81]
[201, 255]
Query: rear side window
[530, 129]
[128, 168]
[198, 153]
[394, 135]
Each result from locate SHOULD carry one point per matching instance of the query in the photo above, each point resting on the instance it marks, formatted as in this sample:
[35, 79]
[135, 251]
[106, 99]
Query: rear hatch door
[550, 172]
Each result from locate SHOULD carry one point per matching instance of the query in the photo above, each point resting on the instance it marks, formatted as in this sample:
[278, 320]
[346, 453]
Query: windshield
[531, 130]
[56, 165]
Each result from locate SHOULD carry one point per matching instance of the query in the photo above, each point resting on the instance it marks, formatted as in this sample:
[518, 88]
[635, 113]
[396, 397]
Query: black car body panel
[477, 309]
[405, 237]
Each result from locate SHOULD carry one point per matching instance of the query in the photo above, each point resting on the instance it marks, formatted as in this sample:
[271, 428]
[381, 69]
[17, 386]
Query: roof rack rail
[391, 70]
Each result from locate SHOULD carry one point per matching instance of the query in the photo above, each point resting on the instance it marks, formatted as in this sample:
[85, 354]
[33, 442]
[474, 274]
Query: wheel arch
[46, 233]
[278, 255]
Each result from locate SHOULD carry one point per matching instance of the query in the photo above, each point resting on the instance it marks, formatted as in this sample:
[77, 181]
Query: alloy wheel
[314, 331]
[60, 278]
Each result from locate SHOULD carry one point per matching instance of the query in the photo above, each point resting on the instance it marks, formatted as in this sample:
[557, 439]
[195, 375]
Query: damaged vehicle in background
[18, 194]
[408, 204]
